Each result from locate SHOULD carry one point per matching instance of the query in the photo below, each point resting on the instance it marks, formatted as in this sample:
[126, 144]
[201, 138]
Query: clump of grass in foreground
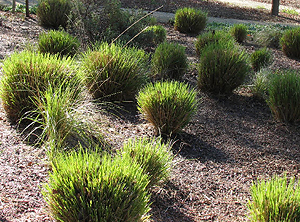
[153, 155]
[260, 59]
[169, 106]
[58, 42]
[275, 200]
[112, 72]
[27, 75]
[284, 96]
[94, 187]
[169, 61]
[222, 68]
[190, 20]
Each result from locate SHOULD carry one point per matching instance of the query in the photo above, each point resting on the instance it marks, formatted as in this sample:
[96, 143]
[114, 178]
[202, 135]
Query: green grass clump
[239, 32]
[290, 43]
[260, 59]
[211, 37]
[27, 75]
[169, 61]
[156, 34]
[53, 13]
[153, 155]
[94, 187]
[112, 72]
[261, 81]
[276, 200]
[169, 106]
[269, 37]
[58, 42]
[190, 20]
[222, 68]
[284, 96]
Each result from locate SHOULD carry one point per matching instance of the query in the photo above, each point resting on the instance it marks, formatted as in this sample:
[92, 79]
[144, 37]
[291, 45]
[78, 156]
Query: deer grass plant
[112, 72]
[190, 20]
[58, 42]
[169, 61]
[153, 155]
[276, 200]
[239, 32]
[261, 58]
[284, 96]
[27, 75]
[222, 68]
[93, 186]
[168, 106]
[290, 43]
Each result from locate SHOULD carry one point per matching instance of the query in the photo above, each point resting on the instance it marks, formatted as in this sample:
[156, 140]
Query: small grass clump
[169, 61]
[169, 105]
[290, 43]
[153, 155]
[239, 32]
[260, 59]
[157, 33]
[284, 96]
[112, 72]
[275, 200]
[58, 42]
[190, 20]
[53, 13]
[222, 68]
[269, 37]
[261, 81]
[211, 37]
[27, 75]
[89, 186]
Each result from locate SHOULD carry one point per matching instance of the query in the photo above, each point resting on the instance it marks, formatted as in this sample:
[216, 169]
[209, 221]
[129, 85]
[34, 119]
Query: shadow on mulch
[166, 207]
[192, 147]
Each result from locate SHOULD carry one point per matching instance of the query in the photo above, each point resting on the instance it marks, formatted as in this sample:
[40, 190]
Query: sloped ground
[229, 143]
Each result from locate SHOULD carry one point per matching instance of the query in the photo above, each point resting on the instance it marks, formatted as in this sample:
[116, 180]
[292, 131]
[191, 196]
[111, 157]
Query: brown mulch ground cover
[230, 143]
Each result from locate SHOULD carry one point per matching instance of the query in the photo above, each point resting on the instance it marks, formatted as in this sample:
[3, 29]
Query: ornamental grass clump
[190, 20]
[152, 155]
[154, 34]
[27, 75]
[90, 186]
[222, 68]
[239, 32]
[261, 81]
[276, 200]
[53, 13]
[169, 61]
[58, 42]
[269, 37]
[112, 72]
[290, 43]
[169, 105]
[284, 96]
[207, 38]
[260, 59]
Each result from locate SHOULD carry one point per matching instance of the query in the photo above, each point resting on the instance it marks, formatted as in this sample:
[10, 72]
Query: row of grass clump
[52, 88]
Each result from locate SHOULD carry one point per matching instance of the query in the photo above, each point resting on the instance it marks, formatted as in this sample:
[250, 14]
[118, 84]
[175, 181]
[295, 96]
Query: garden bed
[230, 143]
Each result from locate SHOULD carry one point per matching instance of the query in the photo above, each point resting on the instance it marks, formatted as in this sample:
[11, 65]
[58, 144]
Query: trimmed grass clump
[284, 96]
[169, 61]
[169, 105]
[155, 34]
[58, 42]
[27, 75]
[239, 32]
[275, 200]
[153, 155]
[94, 187]
[290, 43]
[53, 13]
[222, 68]
[112, 72]
[208, 38]
[260, 59]
[190, 20]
